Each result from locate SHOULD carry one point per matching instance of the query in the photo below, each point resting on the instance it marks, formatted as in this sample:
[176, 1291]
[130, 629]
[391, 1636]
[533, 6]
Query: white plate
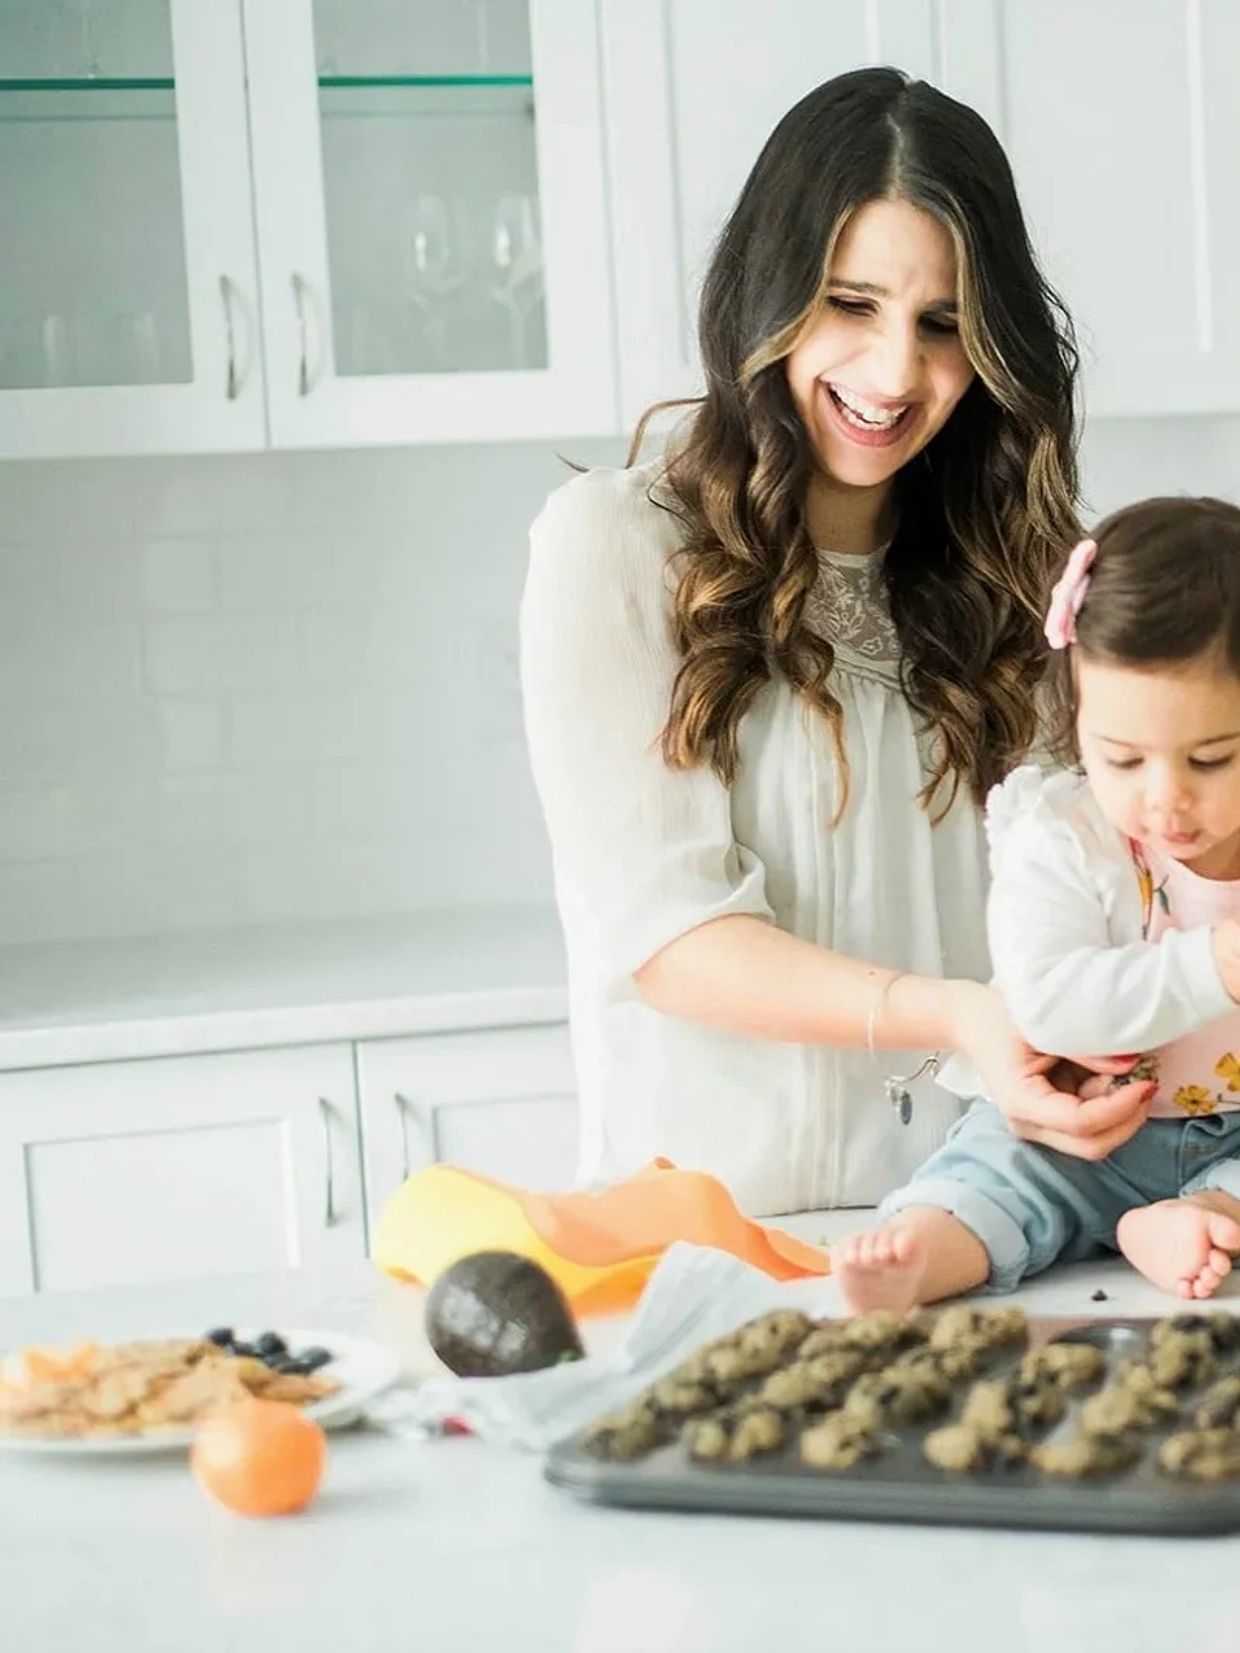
[362, 1368]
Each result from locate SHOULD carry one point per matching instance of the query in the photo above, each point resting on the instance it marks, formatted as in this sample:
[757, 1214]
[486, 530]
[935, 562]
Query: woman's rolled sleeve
[642, 852]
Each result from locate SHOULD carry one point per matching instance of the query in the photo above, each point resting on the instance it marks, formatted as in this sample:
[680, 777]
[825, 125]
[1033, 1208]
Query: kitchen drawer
[501, 1101]
[125, 1172]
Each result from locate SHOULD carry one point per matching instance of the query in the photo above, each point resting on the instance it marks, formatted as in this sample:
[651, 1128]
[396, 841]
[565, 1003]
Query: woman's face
[879, 372]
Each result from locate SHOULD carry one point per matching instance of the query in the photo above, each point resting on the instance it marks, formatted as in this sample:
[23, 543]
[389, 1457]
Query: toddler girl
[1114, 926]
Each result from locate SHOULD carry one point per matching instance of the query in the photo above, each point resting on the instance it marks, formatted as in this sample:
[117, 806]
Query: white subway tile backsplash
[25, 585]
[96, 581]
[178, 576]
[64, 659]
[72, 818]
[278, 687]
[149, 889]
[193, 732]
[80, 734]
[45, 500]
[182, 654]
[200, 652]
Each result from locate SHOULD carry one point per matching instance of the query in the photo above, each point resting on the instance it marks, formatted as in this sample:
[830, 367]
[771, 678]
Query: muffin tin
[898, 1483]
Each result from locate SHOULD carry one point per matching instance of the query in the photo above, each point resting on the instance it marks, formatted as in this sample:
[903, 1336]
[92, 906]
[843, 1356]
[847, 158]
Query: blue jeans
[1031, 1207]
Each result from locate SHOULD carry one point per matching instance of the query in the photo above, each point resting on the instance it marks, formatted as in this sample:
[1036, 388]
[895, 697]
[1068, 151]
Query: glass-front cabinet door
[431, 209]
[128, 283]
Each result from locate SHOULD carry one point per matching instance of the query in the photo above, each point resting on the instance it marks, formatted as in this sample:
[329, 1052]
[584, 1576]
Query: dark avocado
[494, 1313]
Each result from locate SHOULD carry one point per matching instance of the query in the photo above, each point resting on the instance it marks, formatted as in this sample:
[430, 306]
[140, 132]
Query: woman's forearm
[747, 975]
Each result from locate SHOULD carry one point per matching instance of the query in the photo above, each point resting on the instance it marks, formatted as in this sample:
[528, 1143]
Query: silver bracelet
[895, 1086]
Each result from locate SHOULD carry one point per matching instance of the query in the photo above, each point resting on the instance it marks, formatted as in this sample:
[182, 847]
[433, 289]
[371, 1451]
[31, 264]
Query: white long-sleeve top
[644, 853]
[1065, 920]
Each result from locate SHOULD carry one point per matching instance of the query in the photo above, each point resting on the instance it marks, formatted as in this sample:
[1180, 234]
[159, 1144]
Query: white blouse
[643, 853]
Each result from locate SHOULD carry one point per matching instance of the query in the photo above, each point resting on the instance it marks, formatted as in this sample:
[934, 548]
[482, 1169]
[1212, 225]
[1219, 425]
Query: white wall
[249, 689]
[243, 690]
[1129, 459]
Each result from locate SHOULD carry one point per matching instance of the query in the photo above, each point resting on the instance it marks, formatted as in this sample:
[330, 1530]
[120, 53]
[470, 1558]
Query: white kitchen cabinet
[1119, 117]
[126, 1172]
[1122, 124]
[422, 187]
[694, 87]
[501, 1101]
[128, 317]
[431, 211]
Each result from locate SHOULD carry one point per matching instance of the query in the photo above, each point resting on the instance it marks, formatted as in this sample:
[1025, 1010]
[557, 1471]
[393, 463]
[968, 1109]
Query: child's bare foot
[881, 1268]
[1180, 1246]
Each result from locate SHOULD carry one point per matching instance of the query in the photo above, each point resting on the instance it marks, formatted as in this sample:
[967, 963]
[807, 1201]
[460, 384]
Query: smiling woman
[770, 676]
[880, 369]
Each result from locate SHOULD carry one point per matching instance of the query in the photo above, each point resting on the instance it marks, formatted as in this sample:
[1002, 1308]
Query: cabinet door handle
[230, 296]
[301, 295]
[427, 1116]
[329, 1209]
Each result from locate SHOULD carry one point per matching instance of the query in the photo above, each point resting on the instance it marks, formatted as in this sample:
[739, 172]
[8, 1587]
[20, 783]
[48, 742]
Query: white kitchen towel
[694, 1294]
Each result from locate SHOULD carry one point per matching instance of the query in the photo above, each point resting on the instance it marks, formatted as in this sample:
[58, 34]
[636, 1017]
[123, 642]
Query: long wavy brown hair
[985, 510]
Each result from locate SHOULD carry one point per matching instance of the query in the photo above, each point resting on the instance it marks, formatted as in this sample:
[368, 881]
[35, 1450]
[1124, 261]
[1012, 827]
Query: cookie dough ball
[756, 1349]
[880, 1331]
[1001, 1407]
[1219, 1407]
[696, 1367]
[1202, 1454]
[735, 1433]
[1142, 1381]
[897, 1395]
[1083, 1455]
[1005, 1328]
[629, 1433]
[814, 1384]
[678, 1397]
[1182, 1359]
[780, 1331]
[1222, 1329]
[1002, 1328]
[961, 1447]
[1038, 1401]
[957, 1447]
[729, 1364]
[838, 1442]
[1069, 1366]
[1113, 1411]
[962, 1359]
[826, 1337]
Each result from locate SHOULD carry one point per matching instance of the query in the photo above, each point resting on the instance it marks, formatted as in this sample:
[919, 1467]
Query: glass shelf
[425, 80]
[91, 83]
[104, 83]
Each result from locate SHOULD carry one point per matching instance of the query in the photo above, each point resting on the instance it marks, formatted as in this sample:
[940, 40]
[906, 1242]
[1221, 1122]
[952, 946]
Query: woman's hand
[1088, 1120]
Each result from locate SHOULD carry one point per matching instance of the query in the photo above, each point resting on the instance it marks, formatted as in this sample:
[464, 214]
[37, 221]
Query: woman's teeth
[863, 414]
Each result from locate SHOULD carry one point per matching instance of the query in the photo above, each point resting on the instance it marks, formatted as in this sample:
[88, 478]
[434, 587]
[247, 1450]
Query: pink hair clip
[1068, 595]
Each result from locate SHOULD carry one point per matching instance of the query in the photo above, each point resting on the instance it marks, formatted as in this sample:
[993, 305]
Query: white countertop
[458, 1547]
[294, 984]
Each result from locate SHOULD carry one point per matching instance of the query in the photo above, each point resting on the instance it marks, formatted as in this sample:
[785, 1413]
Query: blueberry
[285, 1364]
[269, 1344]
[239, 1348]
[221, 1336]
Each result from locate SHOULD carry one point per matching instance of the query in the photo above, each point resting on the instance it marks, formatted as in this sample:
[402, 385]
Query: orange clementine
[260, 1457]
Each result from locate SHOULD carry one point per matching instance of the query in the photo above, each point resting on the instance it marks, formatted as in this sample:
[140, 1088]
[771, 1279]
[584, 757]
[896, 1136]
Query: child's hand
[1225, 939]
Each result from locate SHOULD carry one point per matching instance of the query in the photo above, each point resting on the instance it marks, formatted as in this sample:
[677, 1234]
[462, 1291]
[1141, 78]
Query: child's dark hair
[1164, 590]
